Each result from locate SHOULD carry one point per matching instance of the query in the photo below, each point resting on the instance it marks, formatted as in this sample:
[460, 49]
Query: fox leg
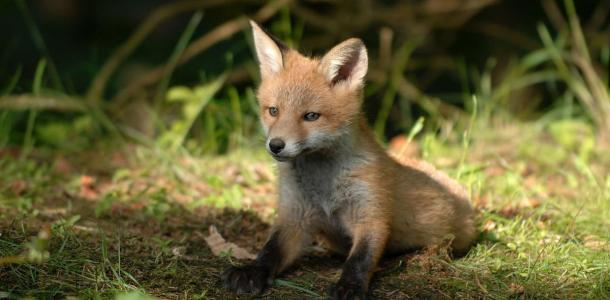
[368, 245]
[281, 249]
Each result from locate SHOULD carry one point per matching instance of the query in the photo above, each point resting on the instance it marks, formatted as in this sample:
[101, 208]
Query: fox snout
[276, 145]
[281, 149]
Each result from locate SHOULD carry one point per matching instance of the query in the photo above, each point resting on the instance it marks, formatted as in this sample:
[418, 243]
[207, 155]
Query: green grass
[137, 228]
[82, 217]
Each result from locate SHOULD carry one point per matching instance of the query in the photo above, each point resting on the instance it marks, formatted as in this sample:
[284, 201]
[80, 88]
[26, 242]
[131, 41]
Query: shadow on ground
[100, 256]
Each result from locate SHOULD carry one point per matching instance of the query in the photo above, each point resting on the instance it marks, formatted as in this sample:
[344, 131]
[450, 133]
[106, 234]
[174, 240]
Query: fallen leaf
[595, 243]
[87, 189]
[529, 203]
[62, 165]
[515, 289]
[494, 171]
[514, 209]
[509, 211]
[489, 225]
[480, 201]
[263, 174]
[401, 148]
[541, 225]
[218, 245]
[18, 187]
[180, 252]
[86, 180]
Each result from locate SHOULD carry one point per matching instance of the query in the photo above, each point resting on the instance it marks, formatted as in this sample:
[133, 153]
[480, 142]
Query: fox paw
[347, 291]
[246, 279]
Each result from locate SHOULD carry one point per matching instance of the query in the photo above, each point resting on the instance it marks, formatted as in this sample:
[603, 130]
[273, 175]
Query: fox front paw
[246, 279]
[343, 290]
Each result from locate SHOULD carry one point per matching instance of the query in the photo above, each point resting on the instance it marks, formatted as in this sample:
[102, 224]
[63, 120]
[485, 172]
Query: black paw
[246, 279]
[343, 290]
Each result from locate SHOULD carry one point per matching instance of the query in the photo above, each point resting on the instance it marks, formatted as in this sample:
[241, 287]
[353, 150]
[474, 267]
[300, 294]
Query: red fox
[336, 183]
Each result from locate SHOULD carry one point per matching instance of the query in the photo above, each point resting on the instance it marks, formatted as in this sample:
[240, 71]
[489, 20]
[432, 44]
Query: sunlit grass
[91, 208]
[543, 222]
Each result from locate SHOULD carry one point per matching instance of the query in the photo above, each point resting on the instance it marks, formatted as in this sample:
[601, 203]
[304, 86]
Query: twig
[32, 102]
[600, 13]
[220, 33]
[507, 34]
[12, 260]
[386, 36]
[554, 14]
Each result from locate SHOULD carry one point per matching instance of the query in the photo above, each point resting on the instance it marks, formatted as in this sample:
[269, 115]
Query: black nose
[276, 145]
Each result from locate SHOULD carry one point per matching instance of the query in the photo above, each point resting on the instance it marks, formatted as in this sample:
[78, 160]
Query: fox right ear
[268, 51]
[346, 64]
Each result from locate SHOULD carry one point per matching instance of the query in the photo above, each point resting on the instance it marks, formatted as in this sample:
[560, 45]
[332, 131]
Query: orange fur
[336, 182]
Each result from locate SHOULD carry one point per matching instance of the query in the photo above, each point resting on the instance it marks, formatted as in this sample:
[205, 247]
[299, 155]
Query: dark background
[457, 43]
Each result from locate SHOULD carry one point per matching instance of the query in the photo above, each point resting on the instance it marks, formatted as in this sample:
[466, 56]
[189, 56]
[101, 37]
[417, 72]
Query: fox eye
[311, 116]
[273, 111]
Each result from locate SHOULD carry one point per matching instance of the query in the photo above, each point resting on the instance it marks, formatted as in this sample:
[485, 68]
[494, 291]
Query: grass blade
[295, 286]
[36, 86]
[173, 60]
[12, 82]
[40, 43]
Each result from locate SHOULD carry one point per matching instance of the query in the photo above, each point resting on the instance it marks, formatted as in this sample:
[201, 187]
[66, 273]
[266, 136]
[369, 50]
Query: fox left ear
[346, 63]
[268, 51]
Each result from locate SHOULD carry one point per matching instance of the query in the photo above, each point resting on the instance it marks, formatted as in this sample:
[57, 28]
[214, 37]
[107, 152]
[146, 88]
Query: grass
[93, 220]
[133, 223]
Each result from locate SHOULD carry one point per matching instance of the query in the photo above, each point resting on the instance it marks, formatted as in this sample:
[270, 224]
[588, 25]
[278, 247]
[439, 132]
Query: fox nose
[276, 145]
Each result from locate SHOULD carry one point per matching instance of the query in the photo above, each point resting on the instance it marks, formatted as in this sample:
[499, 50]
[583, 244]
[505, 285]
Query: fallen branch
[31, 102]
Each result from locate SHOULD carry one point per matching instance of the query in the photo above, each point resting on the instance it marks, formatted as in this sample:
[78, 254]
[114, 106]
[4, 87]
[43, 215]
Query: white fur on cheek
[291, 149]
[322, 139]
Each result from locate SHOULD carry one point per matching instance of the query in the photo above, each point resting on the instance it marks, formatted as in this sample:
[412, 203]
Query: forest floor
[131, 222]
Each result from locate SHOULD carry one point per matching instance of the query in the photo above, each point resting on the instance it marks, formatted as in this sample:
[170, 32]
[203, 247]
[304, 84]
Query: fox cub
[336, 183]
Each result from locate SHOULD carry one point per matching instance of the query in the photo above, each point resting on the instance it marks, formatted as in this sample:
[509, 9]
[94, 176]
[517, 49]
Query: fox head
[307, 104]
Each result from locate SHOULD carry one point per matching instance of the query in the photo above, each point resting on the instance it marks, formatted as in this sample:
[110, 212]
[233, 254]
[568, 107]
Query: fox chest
[324, 185]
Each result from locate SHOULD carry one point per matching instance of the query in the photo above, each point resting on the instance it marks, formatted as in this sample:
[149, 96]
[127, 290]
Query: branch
[159, 15]
[220, 33]
[29, 101]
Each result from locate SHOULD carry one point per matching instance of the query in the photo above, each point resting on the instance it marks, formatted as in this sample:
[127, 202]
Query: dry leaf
[480, 201]
[529, 203]
[509, 211]
[515, 289]
[87, 187]
[18, 187]
[62, 165]
[595, 243]
[87, 181]
[514, 209]
[180, 252]
[263, 174]
[401, 148]
[541, 225]
[489, 225]
[218, 245]
[495, 171]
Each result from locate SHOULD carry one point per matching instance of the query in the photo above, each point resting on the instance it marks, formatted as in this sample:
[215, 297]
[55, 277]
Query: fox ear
[346, 63]
[268, 51]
